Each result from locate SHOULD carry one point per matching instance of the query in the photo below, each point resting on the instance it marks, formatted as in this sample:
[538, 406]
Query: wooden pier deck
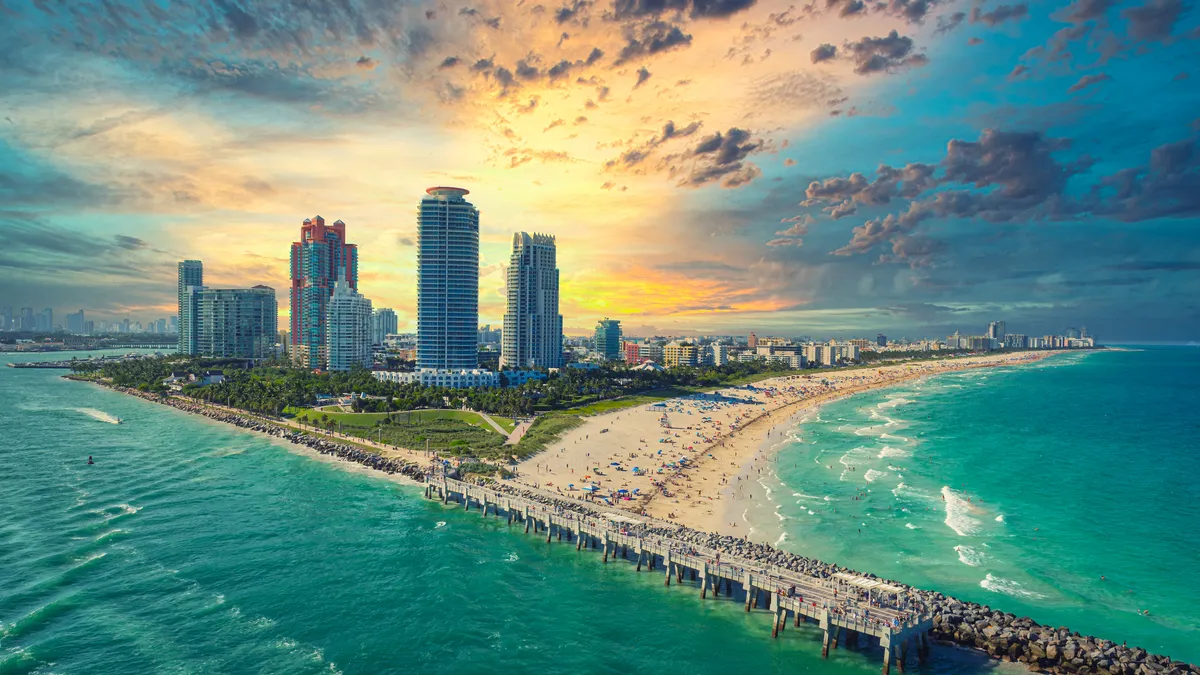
[833, 604]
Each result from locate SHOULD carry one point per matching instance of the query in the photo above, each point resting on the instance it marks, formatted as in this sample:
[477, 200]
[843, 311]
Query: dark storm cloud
[1000, 177]
[566, 13]
[637, 154]
[1000, 14]
[1087, 81]
[721, 157]
[1012, 177]
[882, 54]
[650, 39]
[1169, 186]
[449, 62]
[1153, 21]
[643, 74]
[697, 9]
[947, 24]
[824, 52]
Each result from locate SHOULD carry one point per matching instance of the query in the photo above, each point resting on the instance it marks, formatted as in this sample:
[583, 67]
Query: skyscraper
[996, 330]
[27, 320]
[75, 323]
[232, 322]
[532, 335]
[191, 273]
[316, 261]
[608, 339]
[383, 324]
[348, 328]
[447, 280]
[6, 318]
[45, 320]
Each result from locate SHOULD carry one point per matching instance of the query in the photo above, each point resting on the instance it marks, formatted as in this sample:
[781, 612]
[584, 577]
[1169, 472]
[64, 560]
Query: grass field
[652, 396]
[545, 430]
[404, 417]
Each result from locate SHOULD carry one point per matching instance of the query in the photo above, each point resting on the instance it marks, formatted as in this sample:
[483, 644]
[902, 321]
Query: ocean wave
[958, 514]
[440, 524]
[1008, 587]
[969, 556]
[872, 475]
[1000, 518]
[98, 415]
[911, 526]
[889, 451]
[893, 402]
[782, 538]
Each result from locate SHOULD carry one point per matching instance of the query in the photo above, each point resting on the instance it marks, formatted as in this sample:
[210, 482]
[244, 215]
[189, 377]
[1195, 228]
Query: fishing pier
[837, 606]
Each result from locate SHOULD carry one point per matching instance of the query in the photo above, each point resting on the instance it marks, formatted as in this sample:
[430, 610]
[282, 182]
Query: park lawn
[368, 420]
[506, 423]
[545, 430]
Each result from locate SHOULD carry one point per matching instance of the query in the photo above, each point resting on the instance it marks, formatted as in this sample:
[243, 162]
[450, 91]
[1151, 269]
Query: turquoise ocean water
[1014, 487]
[192, 547]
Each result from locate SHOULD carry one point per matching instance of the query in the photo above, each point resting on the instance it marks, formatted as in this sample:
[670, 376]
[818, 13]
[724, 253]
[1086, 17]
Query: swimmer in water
[90, 460]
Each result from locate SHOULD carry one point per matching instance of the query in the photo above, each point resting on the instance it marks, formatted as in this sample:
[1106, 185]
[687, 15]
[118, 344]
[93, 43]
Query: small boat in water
[119, 421]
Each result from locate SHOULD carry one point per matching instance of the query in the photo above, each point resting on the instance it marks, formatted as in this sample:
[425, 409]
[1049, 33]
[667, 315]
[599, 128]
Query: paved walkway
[519, 432]
[499, 429]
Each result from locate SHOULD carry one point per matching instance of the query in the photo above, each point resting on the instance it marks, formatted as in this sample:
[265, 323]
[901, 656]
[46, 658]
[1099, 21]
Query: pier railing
[836, 604]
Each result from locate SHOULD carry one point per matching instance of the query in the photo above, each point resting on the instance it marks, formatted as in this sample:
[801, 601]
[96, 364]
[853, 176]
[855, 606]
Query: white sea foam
[512, 557]
[969, 556]
[440, 523]
[828, 498]
[893, 468]
[1000, 518]
[1008, 587]
[911, 526]
[871, 475]
[98, 415]
[889, 451]
[782, 538]
[958, 514]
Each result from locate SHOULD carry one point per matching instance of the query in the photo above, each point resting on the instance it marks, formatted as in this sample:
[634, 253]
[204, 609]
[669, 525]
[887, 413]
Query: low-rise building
[678, 353]
[516, 377]
[451, 379]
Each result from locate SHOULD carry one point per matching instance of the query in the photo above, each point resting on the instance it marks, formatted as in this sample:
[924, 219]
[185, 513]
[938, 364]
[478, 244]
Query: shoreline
[1004, 637]
[689, 473]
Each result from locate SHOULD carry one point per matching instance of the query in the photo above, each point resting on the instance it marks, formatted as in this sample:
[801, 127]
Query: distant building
[45, 320]
[863, 344]
[191, 274]
[451, 379]
[716, 354]
[752, 341]
[630, 350]
[1016, 341]
[232, 322]
[383, 324]
[996, 331]
[347, 328]
[608, 339]
[447, 280]
[489, 335]
[518, 377]
[880, 340]
[650, 351]
[1074, 334]
[316, 262]
[75, 323]
[532, 325]
[677, 354]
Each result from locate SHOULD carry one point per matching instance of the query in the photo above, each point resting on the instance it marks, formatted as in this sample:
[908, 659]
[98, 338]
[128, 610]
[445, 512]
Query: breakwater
[1002, 635]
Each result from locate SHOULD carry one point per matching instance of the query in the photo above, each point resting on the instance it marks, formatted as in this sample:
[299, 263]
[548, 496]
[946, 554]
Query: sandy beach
[682, 459]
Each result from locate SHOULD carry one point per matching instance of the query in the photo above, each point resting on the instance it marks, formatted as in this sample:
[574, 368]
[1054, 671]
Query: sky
[839, 168]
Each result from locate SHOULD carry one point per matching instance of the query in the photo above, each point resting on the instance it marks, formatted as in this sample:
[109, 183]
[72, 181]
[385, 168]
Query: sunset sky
[713, 166]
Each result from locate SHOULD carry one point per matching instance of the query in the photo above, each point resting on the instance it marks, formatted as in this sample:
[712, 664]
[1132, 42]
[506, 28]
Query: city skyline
[757, 166]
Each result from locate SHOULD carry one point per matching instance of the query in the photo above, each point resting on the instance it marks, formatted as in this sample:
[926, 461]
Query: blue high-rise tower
[447, 280]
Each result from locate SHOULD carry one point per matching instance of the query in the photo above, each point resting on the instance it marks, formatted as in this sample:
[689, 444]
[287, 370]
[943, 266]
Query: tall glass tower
[191, 273]
[447, 280]
[317, 258]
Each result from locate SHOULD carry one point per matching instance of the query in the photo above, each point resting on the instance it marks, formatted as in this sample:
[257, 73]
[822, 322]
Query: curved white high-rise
[447, 280]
